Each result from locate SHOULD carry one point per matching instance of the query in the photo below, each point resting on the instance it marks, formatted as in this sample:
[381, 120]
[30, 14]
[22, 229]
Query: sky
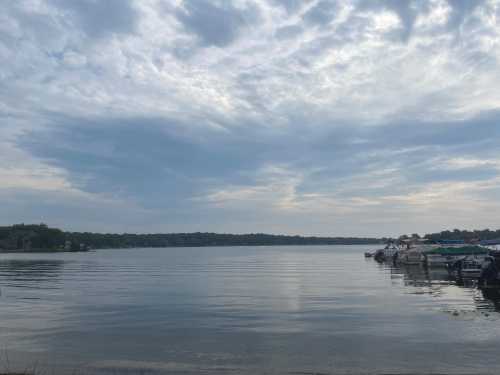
[311, 117]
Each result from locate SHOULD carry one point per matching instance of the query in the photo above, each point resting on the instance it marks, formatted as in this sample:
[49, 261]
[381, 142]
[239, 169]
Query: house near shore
[19, 241]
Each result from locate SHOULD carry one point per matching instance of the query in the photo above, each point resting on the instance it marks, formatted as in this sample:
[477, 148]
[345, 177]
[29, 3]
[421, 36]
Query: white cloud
[342, 70]
[464, 163]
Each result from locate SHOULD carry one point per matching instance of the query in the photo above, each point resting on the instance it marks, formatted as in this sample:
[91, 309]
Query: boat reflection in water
[452, 293]
[492, 295]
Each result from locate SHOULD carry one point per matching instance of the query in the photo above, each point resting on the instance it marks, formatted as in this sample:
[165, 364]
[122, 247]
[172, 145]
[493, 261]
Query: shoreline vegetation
[41, 238]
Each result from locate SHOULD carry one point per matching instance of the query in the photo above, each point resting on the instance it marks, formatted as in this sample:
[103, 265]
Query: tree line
[41, 237]
[465, 235]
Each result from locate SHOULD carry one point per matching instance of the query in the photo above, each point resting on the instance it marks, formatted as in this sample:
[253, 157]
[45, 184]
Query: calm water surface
[240, 310]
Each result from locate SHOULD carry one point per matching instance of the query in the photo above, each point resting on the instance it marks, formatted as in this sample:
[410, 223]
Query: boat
[446, 256]
[413, 251]
[467, 267]
[493, 245]
[388, 253]
[410, 256]
[490, 275]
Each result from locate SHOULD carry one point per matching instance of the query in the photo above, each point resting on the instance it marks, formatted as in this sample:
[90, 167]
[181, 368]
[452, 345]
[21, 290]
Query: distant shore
[41, 238]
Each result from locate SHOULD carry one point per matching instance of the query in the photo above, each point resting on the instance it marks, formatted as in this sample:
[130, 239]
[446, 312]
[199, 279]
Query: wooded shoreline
[41, 238]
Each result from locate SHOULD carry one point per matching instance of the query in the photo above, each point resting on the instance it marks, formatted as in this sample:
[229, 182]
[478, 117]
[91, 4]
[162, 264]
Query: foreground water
[284, 310]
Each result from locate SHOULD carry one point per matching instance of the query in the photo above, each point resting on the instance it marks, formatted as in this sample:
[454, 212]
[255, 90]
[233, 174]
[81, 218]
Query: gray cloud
[215, 25]
[287, 32]
[147, 157]
[98, 18]
[322, 13]
[291, 6]
[153, 161]
[36, 26]
[461, 9]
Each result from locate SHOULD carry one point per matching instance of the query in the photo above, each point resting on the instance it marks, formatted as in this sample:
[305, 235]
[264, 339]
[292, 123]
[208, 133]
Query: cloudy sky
[363, 117]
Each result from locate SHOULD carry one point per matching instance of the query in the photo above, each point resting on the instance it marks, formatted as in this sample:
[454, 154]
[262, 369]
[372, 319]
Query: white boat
[415, 253]
[386, 254]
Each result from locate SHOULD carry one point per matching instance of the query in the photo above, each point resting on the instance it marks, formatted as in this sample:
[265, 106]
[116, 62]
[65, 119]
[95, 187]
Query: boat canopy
[451, 242]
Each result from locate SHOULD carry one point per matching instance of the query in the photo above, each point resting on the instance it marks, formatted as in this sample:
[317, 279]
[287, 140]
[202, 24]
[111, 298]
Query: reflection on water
[437, 282]
[491, 295]
[246, 310]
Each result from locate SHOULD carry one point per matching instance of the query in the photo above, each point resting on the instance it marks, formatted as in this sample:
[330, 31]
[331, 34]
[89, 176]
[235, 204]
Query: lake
[239, 310]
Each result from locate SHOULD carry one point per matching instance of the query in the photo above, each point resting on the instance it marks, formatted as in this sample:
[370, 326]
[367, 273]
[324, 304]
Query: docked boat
[467, 268]
[493, 245]
[490, 274]
[413, 251]
[410, 256]
[446, 256]
[388, 253]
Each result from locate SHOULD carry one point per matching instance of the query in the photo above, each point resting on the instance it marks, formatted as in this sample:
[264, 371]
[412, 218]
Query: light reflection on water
[242, 310]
